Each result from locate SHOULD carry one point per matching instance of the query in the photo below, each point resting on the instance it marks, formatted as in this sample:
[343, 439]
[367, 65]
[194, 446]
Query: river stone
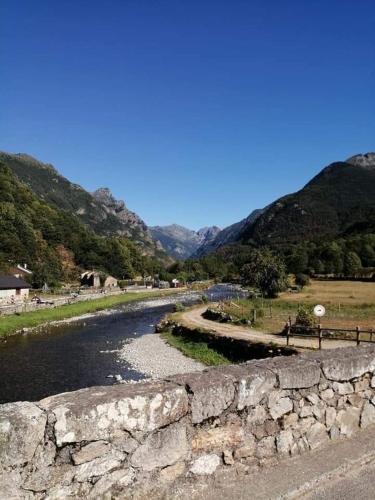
[97, 413]
[205, 465]
[22, 428]
[162, 448]
[218, 438]
[211, 392]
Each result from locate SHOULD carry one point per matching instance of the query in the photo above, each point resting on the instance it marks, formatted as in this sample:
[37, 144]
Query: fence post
[358, 332]
[289, 327]
[320, 335]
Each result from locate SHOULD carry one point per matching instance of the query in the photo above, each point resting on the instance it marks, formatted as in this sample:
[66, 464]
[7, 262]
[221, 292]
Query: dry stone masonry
[130, 441]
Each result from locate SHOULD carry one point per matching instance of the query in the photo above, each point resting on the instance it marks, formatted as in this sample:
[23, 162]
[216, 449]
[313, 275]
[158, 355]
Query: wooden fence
[325, 333]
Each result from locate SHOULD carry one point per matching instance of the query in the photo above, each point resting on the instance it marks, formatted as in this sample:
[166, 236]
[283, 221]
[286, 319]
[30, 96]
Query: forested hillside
[99, 210]
[55, 243]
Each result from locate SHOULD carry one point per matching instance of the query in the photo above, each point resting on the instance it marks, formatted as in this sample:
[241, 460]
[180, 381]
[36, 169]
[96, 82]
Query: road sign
[319, 311]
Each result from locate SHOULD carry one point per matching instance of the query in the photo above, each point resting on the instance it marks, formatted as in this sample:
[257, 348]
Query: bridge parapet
[154, 436]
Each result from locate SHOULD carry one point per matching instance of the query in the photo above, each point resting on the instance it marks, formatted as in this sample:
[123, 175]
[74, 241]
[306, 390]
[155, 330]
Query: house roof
[10, 282]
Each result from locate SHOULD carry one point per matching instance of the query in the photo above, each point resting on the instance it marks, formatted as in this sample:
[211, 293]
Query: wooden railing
[355, 334]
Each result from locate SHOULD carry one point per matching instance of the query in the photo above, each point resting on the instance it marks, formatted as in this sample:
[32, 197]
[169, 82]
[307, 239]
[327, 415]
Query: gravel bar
[151, 355]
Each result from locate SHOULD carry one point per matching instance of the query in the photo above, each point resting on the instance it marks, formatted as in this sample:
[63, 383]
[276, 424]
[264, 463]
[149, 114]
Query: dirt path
[193, 317]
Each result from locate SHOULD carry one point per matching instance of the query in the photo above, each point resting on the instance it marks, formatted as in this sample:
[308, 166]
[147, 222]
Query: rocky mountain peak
[105, 196]
[366, 160]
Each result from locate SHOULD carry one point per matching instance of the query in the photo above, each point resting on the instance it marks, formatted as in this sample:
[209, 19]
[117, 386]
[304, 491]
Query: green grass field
[12, 323]
[200, 351]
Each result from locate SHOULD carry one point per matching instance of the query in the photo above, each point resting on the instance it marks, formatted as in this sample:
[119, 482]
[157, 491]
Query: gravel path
[193, 317]
[151, 355]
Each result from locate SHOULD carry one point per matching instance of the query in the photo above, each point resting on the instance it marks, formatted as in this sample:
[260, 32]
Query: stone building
[13, 289]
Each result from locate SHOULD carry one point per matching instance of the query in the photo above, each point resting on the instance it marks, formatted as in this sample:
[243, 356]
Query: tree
[302, 280]
[352, 265]
[266, 271]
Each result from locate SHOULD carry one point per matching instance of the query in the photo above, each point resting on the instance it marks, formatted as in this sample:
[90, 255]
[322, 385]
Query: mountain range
[338, 201]
[180, 242]
[98, 210]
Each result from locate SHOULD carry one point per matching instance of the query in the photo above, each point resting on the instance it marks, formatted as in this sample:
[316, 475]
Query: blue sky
[192, 111]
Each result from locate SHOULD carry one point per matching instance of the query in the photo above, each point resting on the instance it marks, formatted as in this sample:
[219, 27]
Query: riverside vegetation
[16, 322]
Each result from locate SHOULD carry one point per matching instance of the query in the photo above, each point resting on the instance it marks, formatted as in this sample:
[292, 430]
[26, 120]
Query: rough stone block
[91, 451]
[279, 405]
[266, 447]
[162, 448]
[330, 417]
[98, 466]
[348, 421]
[348, 363]
[343, 388]
[218, 438]
[96, 413]
[368, 415]
[22, 427]
[295, 373]
[253, 382]
[205, 465]
[284, 442]
[117, 479]
[211, 392]
[317, 435]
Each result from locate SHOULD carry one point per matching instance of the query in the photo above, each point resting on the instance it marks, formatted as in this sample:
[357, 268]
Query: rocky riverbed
[151, 355]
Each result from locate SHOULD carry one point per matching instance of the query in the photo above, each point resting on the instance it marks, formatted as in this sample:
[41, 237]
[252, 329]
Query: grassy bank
[11, 324]
[348, 304]
[200, 351]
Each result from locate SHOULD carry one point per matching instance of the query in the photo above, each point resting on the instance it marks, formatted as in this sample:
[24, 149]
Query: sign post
[319, 312]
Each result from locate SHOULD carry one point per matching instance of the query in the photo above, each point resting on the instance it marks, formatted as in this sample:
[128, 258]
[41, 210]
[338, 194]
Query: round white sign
[319, 311]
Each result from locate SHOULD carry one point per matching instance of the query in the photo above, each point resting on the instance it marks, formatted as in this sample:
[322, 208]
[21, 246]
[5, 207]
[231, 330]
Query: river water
[81, 354]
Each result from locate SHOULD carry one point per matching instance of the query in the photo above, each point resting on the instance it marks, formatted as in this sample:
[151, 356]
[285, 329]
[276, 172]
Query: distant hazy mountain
[338, 201]
[99, 210]
[180, 242]
[227, 235]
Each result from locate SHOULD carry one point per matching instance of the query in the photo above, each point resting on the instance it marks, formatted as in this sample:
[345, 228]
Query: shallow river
[81, 354]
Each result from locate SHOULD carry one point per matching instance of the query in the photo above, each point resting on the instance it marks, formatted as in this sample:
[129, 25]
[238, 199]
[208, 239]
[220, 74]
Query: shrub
[302, 280]
[304, 317]
[178, 307]
[204, 299]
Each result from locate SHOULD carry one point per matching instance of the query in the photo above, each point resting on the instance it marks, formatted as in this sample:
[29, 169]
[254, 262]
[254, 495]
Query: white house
[13, 289]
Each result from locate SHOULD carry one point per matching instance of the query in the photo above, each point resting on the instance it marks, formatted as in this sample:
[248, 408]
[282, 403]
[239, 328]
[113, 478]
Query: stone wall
[156, 437]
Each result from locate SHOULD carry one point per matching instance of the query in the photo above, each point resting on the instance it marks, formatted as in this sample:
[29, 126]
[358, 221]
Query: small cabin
[110, 282]
[13, 289]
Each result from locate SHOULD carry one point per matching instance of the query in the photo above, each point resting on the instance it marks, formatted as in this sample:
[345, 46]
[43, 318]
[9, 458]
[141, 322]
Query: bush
[302, 280]
[178, 307]
[204, 299]
[305, 317]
